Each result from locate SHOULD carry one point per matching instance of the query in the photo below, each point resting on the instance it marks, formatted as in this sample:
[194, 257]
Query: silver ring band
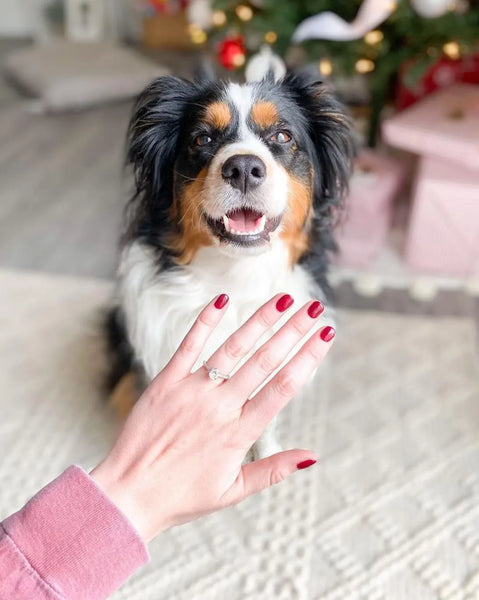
[213, 373]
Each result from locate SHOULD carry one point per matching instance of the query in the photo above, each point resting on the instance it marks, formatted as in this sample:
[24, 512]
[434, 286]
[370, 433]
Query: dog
[236, 191]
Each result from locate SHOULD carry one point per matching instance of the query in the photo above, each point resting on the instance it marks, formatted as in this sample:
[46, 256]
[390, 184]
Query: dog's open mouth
[244, 226]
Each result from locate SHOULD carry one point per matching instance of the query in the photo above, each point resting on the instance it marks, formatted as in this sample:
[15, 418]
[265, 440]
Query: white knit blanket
[391, 511]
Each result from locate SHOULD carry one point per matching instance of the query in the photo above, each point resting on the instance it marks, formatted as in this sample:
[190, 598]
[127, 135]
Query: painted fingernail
[327, 334]
[315, 309]
[305, 464]
[222, 301]
[284, 303]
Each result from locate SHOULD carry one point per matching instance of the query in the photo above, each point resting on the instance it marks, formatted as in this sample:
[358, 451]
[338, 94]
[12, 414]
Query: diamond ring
[213, 373]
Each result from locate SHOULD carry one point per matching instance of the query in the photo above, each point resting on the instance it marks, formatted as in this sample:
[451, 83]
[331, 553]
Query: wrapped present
[362, 231]
[445, 72]
[443, 231]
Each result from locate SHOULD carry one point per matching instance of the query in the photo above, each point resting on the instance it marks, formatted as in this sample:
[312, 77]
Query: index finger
[184, 358]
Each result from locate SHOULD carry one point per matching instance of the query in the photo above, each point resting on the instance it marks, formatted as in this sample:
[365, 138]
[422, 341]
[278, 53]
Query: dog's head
[238, 166]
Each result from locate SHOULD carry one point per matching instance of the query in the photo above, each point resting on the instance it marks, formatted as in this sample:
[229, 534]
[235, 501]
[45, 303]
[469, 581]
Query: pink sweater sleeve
[69, 542]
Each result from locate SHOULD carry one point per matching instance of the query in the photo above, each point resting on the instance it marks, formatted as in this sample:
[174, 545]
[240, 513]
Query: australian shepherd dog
[236, 190]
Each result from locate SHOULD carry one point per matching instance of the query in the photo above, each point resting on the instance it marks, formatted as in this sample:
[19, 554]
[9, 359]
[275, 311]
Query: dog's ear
[153, 133]
[332, 136]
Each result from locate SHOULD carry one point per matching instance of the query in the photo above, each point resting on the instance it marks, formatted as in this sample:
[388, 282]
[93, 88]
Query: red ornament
[232, 52]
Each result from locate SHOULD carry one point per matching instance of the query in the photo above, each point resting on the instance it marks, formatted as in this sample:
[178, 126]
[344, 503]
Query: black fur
[164, 121]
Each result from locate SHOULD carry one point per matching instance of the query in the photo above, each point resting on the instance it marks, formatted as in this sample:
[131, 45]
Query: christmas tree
[413, 36]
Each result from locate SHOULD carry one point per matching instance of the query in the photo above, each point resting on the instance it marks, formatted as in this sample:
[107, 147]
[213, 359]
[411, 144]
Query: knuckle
[189, 345]
[206, 318]
[285, 384]
[265, 319]
[234, 348]
[276, 476]
[265, 361]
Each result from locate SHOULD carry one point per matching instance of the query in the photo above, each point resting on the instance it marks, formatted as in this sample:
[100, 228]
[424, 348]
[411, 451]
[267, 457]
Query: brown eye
[281, 137]
[203, 140]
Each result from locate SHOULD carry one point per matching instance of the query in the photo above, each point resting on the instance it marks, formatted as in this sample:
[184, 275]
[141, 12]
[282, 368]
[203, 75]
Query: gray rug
[391, 512]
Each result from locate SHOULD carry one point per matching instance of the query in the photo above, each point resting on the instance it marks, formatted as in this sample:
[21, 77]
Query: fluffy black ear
[153, 134]
[331, 133]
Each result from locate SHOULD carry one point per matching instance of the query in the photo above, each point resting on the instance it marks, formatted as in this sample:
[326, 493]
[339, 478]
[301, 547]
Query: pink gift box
[363, 229]
[443, 232]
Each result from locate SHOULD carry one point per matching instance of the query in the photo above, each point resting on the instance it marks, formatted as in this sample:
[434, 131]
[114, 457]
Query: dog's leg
[125, 394]
[267, 444]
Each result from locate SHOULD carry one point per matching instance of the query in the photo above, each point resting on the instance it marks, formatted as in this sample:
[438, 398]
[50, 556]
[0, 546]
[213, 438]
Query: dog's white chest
[160, 307]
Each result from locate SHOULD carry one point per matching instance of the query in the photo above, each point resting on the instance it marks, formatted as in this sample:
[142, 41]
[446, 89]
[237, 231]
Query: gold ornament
[270, 37]
[452, 50]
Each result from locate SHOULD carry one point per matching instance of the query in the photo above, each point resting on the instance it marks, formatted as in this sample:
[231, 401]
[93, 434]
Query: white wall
[19, 18]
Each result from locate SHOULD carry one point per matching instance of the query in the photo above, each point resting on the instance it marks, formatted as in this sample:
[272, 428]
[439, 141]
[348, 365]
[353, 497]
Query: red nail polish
[305, 464]
[222, 301]
[284, 303]
[315, 309]
[327, 334]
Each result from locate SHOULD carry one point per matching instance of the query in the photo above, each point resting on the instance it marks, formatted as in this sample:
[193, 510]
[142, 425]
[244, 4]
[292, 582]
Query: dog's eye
[281, 137]
[203, 140]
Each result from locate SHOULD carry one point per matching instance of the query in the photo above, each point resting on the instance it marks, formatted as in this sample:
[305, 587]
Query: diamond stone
[213, 373]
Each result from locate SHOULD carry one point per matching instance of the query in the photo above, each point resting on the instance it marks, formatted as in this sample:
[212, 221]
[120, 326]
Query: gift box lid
[445, 125]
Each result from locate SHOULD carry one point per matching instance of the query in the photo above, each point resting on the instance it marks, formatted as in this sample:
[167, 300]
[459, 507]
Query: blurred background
[394, 510]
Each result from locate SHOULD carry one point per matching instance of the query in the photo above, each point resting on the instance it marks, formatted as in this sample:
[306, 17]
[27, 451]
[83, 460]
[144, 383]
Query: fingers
[257, 476]
[190, 348]
[269, 401]
[243, 340]
[272, 354]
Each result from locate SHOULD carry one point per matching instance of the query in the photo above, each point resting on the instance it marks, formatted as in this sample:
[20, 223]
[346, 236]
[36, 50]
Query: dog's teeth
[262, 223]
[226, 222]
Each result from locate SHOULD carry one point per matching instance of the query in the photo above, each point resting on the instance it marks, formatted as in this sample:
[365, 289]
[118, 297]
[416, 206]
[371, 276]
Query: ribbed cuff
[77, 540]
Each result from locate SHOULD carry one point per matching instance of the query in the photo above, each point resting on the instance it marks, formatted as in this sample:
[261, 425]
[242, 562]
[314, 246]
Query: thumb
[260, 474]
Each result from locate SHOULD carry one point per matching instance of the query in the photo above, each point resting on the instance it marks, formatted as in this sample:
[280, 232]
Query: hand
[179, 455]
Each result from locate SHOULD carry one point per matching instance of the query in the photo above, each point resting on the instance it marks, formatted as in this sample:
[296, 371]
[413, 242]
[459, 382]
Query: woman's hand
[179, 455]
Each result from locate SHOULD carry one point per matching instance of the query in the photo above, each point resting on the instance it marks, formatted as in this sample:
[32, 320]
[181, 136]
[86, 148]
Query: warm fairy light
[238, 60]
[325, 66]
[270, 37]
[374, 37]
[452, 50]
[364, 65]
[197, 35]
[218, 18]
[244, 13]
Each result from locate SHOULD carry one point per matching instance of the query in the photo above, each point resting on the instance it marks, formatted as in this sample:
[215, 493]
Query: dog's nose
[244, 171]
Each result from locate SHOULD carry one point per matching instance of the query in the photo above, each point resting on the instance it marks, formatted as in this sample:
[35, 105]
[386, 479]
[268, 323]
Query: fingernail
[222, 301]
[327, 334]
[284, 303]
[305, 464]
[315, 309]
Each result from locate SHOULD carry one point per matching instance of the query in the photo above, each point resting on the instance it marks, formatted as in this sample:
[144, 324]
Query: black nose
[244, 171]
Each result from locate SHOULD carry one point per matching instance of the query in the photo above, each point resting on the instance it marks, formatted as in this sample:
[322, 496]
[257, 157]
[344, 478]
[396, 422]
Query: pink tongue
[244, 220]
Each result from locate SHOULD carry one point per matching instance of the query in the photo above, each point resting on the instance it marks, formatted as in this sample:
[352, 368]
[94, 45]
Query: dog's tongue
[244, 220]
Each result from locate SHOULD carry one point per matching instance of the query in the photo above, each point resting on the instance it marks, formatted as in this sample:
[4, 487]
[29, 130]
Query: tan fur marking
[265, 114]
[218, 114]
[187, 212]
[124, 395]
[295, 231]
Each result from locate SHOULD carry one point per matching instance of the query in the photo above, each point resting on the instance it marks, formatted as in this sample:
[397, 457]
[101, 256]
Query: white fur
[161, 307]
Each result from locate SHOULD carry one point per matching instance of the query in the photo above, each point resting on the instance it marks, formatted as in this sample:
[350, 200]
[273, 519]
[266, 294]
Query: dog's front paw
[264, 449]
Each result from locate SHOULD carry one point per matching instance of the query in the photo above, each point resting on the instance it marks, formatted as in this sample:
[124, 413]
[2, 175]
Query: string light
[325, 66]
[270, 37]
[452, 50]
[197, 35]
[244, 13]
[364, 65]
[218, 18]
[238, 60]
[374, 37]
